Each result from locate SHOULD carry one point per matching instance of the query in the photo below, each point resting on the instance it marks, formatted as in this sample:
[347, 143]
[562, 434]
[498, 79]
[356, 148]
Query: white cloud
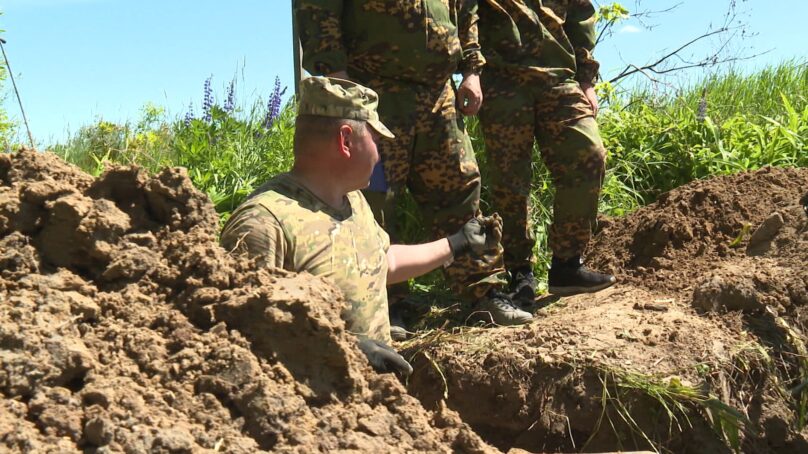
[630, 29]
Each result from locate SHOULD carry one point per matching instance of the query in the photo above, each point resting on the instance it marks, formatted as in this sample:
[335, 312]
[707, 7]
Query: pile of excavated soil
[124, 327]
[699, 348]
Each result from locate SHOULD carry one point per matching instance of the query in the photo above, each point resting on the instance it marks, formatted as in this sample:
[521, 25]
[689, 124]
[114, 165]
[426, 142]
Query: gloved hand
[383, 358]
[479, 235]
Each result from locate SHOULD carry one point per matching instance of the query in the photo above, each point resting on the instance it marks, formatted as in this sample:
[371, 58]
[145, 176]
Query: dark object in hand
[478, 235]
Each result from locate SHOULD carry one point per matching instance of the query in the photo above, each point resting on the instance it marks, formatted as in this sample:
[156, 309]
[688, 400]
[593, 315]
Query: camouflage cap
[339, 98]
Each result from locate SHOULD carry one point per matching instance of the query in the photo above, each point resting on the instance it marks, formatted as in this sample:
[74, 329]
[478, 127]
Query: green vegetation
[227, 155]
[656, 142]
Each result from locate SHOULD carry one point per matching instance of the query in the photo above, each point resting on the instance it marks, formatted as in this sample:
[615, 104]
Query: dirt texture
[700, 347]
[124, 327]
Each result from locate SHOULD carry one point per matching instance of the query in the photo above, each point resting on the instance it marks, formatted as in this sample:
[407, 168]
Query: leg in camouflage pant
[432, 157]
[561, 120]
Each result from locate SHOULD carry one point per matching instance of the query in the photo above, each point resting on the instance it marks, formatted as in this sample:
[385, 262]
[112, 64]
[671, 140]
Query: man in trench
[407, 51]
[315, 219]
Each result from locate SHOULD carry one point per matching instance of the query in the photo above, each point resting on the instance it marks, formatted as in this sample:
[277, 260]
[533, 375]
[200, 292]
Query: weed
[677, 400]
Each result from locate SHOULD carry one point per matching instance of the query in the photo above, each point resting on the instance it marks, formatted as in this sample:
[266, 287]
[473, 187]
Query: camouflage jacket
[553, 39]
[416, 41]
[288, 227]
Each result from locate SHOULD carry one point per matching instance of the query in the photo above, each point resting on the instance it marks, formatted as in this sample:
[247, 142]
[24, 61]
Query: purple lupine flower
[207, 101]
[274, 104]
[230, 103]
[701, 115]
[189, 116]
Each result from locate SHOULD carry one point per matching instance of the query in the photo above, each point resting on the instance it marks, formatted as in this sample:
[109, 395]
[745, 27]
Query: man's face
[365, 154]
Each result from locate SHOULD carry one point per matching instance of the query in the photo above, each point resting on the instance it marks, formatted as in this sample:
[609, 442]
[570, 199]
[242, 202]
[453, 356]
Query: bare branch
[729, 31]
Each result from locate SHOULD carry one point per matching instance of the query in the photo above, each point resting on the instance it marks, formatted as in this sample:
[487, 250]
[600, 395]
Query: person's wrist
[458, 243]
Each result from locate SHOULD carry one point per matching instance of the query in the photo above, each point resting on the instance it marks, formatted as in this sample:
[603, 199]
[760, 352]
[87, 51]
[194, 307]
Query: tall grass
[656, 142]
[228, 152]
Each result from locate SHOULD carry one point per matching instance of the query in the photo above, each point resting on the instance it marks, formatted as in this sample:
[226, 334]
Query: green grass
[227, 157]
[655, 143]
[676, 399]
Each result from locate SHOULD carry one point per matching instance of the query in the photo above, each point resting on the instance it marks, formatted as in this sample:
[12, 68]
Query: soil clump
[124, 327]
[700, 347]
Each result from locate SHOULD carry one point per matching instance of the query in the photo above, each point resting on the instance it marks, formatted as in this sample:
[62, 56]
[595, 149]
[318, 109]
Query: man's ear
[346, 137]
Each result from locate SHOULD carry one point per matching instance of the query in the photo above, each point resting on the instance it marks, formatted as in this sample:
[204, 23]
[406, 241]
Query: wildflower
[230, 103]
[189, 116]
[701, 115]
[274, 104]
[207, 101]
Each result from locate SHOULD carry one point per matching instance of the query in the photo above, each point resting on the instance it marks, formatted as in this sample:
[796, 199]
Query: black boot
[571, 277]
[523, 286]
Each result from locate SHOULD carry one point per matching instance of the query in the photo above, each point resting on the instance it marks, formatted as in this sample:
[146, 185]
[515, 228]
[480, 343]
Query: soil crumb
[124, 327]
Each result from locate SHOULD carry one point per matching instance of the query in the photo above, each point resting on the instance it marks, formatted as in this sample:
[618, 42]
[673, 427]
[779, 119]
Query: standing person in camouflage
[538, 85]
[407, 51]
[315, 219]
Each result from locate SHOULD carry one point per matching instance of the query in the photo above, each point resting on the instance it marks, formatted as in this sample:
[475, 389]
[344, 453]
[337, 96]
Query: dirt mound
[125, 327]
[699, 348]
[689, 231]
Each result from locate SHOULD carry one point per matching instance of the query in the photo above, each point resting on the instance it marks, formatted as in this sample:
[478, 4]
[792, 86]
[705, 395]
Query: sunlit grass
[655, 143]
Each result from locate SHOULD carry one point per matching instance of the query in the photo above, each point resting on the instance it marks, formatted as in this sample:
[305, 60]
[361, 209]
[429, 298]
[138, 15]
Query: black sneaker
[571, 277]
[398, 329]
[523, 286]
[497, 307]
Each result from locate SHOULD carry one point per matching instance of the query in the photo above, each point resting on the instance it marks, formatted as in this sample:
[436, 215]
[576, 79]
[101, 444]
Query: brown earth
[699, 348]
[124, 327]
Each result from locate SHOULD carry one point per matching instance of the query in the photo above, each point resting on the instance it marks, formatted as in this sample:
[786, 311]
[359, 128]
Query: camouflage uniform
[537, 53]
[407, 52]
[289, 227]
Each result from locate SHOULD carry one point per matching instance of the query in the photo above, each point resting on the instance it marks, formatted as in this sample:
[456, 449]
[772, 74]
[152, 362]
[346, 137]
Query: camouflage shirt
[553, 39]
[289, 227]
[420, 41]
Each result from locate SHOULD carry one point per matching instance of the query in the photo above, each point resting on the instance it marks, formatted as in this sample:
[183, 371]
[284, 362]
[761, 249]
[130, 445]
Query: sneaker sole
[569, 291]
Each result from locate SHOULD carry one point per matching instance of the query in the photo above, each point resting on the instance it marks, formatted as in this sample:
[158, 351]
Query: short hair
[314, 128]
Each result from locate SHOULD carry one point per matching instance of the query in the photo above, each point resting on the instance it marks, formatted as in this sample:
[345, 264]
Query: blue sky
[77, 61]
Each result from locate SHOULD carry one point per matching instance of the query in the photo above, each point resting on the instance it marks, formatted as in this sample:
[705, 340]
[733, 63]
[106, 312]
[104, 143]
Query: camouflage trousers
[561, 120]
[433, 158]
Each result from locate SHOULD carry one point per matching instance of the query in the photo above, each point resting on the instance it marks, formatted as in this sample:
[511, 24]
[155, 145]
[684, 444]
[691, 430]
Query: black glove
[383, 358]
[479, 235]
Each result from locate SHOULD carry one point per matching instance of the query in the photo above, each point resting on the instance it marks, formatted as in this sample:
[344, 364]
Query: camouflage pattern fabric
[407, 50]
[538, 51]
[411, 41]
[561, 120]
[288, 227]
[546, 41]
[432, 156]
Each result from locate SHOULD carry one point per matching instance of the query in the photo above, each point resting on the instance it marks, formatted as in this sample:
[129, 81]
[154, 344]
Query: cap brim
[381, 128]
